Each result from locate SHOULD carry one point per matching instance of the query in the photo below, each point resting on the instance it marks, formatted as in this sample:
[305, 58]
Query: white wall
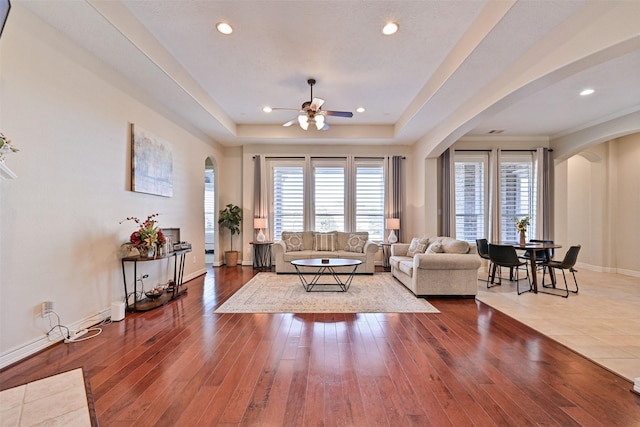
[59, 220]
[598, 205]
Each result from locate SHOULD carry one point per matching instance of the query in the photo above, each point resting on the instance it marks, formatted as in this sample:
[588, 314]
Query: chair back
[504, 255]
[483, 248]
[541, 255]
[571, 257]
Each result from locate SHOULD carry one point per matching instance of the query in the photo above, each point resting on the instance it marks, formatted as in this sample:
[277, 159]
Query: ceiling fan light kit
[311, 112]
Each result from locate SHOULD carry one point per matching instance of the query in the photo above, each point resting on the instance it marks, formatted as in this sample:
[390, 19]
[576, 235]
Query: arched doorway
[209, 212]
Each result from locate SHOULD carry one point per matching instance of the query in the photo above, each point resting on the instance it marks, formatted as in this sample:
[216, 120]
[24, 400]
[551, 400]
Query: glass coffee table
[326, 267]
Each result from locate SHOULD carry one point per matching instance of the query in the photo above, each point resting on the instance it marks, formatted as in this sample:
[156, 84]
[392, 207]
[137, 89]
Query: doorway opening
[209, 212]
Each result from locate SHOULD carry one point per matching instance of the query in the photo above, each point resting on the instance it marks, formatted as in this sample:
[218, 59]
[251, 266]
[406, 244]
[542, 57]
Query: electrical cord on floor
[58, 326]
[94, 331]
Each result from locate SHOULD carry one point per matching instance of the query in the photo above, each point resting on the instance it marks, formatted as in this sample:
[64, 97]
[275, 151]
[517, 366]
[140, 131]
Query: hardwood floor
[183, 365]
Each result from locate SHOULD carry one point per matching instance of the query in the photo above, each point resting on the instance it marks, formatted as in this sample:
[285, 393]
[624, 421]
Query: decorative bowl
[154, 293]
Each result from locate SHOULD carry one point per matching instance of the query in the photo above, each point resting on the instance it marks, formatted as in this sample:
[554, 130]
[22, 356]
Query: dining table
[532, 248]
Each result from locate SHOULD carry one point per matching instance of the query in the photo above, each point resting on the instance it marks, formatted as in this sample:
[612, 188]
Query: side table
[386, 252]
[262, 255]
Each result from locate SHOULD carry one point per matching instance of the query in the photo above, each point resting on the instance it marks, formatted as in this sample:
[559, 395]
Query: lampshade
[393, 223]
[319, 122]
[260, 223]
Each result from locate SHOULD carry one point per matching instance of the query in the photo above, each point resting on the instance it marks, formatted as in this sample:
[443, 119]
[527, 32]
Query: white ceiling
[447, 58]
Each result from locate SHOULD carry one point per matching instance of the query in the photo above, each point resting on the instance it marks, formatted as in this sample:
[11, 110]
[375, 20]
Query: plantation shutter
[370, 200]
[517, 194]
[328, 199]
[470, 198]
[288, 199]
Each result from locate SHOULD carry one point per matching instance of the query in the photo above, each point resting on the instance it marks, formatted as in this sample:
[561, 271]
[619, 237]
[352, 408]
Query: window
[470, 197]
[325, 194]
[370, 199]
[328, 198]
[517, 193]
[288, 199]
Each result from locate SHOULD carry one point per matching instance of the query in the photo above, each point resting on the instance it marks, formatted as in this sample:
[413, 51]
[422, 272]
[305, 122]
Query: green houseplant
[230, 217]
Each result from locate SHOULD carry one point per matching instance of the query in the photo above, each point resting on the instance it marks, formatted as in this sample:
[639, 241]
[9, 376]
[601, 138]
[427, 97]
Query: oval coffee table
[323, 266]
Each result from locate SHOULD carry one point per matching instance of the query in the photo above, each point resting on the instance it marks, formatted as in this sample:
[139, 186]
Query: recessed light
[587, 92]
[390, 28]
[224, 28]
[360, 109]
[267, 109]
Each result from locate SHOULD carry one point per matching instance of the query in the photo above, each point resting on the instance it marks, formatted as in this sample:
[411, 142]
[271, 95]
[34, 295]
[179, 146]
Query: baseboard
[38, 344]
[612, 270]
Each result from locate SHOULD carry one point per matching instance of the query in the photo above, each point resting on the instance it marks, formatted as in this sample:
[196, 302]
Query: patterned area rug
[273, 293]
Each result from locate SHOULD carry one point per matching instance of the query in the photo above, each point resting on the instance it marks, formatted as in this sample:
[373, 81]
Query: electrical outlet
[47, 308]
[194, 259]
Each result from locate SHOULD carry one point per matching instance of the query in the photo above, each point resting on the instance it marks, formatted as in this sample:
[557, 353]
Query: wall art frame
[151, 163]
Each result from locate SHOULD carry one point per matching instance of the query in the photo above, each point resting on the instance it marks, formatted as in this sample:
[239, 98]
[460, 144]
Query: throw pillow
[454, 246]
[292, 240]
[355, 243]
[324, 242]
[435, 248]
[417, 246]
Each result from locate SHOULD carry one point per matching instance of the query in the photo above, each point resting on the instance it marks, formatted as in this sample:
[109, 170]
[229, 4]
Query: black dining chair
[568, 263]
[483, 251]
[506, 256]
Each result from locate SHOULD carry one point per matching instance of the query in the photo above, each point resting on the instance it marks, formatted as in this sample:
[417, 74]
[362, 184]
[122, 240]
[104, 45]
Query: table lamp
[260, 224]
[393, 224]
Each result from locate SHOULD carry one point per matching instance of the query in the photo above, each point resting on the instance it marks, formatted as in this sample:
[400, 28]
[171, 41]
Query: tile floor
[59, 400]
[601, 322]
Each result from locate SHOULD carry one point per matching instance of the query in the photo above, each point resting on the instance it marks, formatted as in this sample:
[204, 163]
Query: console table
[145, 303]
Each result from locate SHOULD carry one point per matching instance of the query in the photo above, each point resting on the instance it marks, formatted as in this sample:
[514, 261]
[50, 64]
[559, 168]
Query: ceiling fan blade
[316, 103]
[339, 113]
[290, 122]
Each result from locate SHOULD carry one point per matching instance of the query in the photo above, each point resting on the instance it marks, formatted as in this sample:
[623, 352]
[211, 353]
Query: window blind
[370, 201]
[470, 199]
[328, 199]
[517, 194]
[288, 199]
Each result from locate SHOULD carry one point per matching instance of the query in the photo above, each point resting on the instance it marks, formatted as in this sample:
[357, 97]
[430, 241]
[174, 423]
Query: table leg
[534, 275]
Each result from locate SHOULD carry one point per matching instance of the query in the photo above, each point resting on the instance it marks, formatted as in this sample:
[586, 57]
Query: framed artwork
[151, 163]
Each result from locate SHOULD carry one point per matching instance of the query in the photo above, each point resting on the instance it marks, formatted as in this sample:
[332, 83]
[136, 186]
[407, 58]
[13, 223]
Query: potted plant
[230, 217]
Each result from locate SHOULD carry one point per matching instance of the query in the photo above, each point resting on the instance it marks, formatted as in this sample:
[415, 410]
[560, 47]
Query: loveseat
[335, 244]
[436, 266]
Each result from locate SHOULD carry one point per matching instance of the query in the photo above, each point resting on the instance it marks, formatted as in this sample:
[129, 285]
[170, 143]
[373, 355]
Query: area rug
[61, 400]
[283, 293]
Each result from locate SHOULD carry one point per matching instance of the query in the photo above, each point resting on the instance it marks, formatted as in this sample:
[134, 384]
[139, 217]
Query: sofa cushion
[417, 246]
[453, 246]
[355, 243]
[324, 242]
[435, 248]
[292, 240]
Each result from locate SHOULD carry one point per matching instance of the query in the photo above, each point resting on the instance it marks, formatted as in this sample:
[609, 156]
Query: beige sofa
[449, 268]
[344, 246]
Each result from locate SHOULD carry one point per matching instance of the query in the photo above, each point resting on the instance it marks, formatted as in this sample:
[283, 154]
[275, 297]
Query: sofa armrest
[446, 261]
[278, 248]
[370, 247]
[399, 249]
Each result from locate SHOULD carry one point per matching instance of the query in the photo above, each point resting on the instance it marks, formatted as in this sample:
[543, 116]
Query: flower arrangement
[6, 146]
[147, 235]
[521, 224]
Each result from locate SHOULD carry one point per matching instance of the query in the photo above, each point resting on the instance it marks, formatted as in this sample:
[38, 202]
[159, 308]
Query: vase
[523, 237]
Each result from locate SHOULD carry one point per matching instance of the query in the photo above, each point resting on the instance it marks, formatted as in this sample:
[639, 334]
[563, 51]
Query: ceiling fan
[312, 113]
